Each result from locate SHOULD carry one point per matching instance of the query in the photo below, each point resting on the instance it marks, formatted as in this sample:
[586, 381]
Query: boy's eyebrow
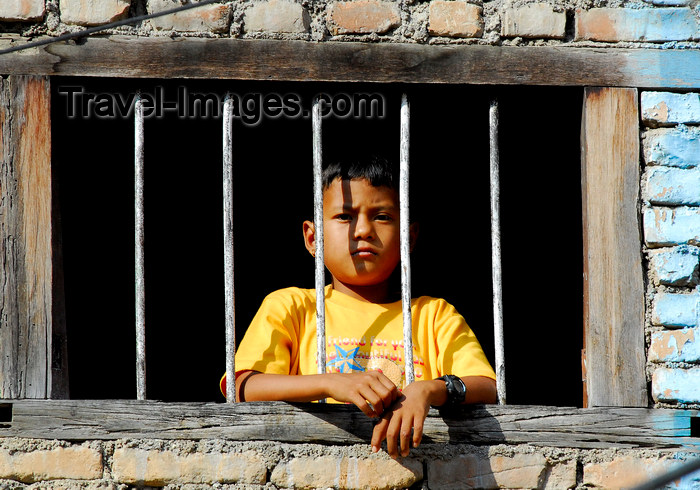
[349, 207]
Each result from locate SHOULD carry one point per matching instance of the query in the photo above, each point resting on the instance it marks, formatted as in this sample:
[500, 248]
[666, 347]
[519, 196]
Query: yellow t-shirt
[359, 335]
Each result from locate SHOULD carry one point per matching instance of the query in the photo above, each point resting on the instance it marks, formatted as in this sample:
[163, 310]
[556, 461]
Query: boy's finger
[406, 426]
[371, 396]
[392, 437]
[361, 402]
[417, 431]
[378, 434]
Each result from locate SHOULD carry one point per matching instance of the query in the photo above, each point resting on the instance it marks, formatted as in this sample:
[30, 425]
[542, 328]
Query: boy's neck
[376, 293]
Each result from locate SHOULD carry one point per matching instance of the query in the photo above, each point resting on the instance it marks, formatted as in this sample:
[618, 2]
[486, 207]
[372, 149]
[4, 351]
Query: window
[93, 153]
[330, 62]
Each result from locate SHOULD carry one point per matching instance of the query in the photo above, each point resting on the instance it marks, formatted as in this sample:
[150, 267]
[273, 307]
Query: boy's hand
[407, 413]
[371, 391]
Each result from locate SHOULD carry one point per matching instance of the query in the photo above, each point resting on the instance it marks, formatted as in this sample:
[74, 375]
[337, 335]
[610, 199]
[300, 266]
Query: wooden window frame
[32, 337]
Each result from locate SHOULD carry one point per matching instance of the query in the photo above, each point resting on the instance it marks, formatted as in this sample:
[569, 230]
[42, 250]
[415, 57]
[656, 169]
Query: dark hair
[375, 169]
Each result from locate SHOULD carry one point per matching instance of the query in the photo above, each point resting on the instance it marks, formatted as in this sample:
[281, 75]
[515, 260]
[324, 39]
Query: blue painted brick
[676, 309]
[676, 385]
[664, 108]
[673, 186]
[679, 266]
[682, 345]
[636, 24]
[671, 226]
[676, 147]
[669, 3]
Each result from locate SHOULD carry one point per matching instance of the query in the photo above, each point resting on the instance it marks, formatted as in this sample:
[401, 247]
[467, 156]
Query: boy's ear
[310, 237]
[413, 235]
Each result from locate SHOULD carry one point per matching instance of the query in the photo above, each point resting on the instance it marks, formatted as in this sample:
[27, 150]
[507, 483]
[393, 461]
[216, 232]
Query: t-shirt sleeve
[270, 345]
[459, 351]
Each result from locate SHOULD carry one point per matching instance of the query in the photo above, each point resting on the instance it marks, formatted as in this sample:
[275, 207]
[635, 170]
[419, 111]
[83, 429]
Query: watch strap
[456, 390]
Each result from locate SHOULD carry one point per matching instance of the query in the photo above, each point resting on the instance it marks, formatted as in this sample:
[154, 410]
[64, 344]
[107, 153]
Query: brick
[91, 13]
[475, 471]
[624, 24]
[561, 475]
[675, 345]
[671, 226]
[664, 108]
[158, 468]
[669, 3]
[76, 462]
[676, 309]
[455, 19]
[21, 10]
[363, 17]
[208, 18]
[624, 471]
[277, 16]
[676, 385]
[534, 20]
[347, 472]
[676, 147]
[673, 186]
[679, 266]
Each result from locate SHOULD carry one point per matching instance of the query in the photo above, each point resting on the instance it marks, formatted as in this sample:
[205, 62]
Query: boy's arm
[370, 391]
[412, 407]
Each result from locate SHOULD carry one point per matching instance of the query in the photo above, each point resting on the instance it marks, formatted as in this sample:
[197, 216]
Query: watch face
[461, 389]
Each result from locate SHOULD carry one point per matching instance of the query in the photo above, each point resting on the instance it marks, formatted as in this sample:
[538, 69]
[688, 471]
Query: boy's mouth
[363, 252]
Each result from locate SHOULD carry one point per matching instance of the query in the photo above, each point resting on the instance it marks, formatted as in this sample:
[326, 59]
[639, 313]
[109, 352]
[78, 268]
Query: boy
[364, 330]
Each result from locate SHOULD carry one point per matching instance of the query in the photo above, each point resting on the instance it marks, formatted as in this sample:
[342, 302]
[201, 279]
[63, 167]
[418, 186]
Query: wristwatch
[456, 390]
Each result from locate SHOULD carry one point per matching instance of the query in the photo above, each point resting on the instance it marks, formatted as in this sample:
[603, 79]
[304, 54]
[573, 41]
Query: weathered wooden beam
[613, 278]
[32, 328]
[161, 57]
[344, 424]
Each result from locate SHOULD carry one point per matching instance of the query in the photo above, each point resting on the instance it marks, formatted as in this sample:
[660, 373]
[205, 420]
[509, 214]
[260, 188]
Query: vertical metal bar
[405, 240]
[496, 274]
[229, 291]
[318, 235]
[139, 252]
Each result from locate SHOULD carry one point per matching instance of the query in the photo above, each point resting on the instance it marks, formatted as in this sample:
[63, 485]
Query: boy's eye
[343, 217]
[384, 217]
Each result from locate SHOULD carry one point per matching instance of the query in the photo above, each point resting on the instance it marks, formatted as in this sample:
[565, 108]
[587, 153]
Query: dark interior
[540, 213]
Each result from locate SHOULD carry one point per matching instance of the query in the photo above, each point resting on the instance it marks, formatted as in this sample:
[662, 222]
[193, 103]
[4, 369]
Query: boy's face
[361, 227]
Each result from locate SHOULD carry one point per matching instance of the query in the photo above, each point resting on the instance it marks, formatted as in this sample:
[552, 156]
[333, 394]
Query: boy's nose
[363, 229]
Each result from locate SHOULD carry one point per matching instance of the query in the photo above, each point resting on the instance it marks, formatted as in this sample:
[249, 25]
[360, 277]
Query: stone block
[676, 309]
[679, 266]
[626, 24]
[455, 19]
[671, 226]
[282, 16]
[674, 385]
[673, 186]
[669, 3]
[208, 18]
[347, 472]
[624, 471]
[534, 20]
[675, 345]
[667, 108]
[476, 471]
[676, 147]
[91, 13]
[363, 17]
[561, 475]
[160, 467]
[21, 10]
[75, 462]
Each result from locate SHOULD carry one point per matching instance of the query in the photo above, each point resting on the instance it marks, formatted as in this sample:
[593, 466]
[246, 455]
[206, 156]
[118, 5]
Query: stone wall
[671, 213]
[654, 23]
[28, 463]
